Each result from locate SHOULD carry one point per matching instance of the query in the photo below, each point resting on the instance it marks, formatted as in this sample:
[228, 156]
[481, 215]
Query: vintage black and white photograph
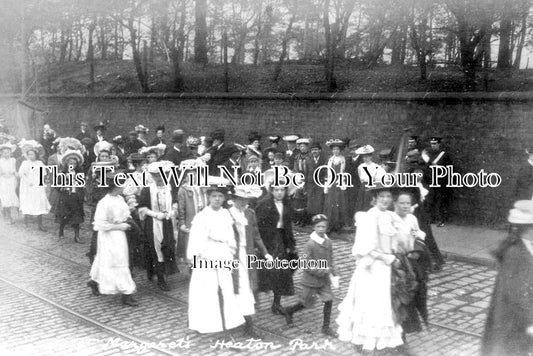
[266, 177]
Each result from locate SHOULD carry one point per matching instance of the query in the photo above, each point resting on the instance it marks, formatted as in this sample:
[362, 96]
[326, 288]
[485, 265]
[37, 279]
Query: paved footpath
[46, 308]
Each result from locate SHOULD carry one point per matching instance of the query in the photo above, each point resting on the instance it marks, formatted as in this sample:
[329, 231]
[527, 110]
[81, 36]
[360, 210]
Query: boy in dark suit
[317, 280]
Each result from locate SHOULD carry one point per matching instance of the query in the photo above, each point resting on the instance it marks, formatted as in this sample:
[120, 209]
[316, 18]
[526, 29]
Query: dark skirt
[424, 219]
[336, 208]
[69, 209]
[364, 198]
[315, 199]
[277, 280]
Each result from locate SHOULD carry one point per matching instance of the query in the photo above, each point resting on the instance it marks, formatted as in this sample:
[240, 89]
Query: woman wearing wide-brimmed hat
[33, 200]
[368, 167]
[367, 317]
[213, 305]
[336, 198]
[69, 209]
[509, 325]
[8, 182]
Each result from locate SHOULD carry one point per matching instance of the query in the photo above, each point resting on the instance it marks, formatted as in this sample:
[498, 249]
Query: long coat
[254, 245]
[276, 241]
[168, 243]
[511, 308]
[188, 207]
[219, 157]
[315, 194]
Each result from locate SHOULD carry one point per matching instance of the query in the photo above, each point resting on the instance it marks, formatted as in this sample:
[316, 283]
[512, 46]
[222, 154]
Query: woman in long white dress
[366, 315]
[33, 200]
[8, 182]
[110, 272]
[213, 306]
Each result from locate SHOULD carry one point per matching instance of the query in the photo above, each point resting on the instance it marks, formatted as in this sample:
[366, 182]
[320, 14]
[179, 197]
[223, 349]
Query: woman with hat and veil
[33, 200]
[213, 306]
[367, 317]
[509, 325]
[8, 182]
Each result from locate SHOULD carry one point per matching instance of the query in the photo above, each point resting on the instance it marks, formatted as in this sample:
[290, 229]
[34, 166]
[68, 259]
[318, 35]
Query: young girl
[110, 272]
[33, 200]
[69, 210]
[317, 281]
[8, 182]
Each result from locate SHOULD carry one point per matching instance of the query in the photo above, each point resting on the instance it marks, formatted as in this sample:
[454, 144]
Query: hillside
[120, 77]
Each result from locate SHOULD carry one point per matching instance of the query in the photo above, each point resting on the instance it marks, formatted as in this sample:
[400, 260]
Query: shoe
[288, 317]
[78, 240]
[329, 332]
[276, 309]
[441, 224]
[94, 287]
[250, 333]
[436, 267]
[127, 299]
[163, 286]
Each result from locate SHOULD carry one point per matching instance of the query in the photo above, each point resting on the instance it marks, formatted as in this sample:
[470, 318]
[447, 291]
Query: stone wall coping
[383, 96]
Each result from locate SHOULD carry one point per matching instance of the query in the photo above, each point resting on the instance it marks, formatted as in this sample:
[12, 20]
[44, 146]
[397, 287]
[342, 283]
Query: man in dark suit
[176, 154]
[524, 180]
[220, 151]
[352, 165]
[436, 156]
[133, 145]
[120, 148]
[291, 151]
[159, 131]
[83, 131]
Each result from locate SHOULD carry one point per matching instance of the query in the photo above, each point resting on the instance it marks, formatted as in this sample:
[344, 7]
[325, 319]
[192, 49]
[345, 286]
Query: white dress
[8, 183]
[33, 200]
[110, 268]
[212, 237]
[366, 317]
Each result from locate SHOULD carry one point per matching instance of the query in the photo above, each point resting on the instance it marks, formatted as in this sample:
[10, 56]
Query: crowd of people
[160, 227]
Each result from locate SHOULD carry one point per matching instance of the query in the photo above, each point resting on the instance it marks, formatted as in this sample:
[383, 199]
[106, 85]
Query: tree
[474, 21]
[200, 34]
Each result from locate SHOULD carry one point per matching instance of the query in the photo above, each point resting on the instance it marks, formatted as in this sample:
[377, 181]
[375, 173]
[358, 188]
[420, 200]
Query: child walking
[317, 281]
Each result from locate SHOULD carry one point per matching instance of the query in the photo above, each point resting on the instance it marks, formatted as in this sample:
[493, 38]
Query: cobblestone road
[46, 308]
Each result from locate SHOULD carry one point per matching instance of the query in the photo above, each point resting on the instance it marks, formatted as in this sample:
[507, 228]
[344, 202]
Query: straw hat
[7, 146]
[365, 150]
[336, 143]
[102, 146]
[31, 145]
[156, 167]
[247, 191]
[67, 155]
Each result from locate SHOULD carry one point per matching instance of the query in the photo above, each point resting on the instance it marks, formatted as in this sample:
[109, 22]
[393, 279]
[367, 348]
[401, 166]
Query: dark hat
[315, 145]
[435, 139]
[217, 184]
[177, 136]
[386, 153]
[87, 141]
[141, 128]
[136, 157]
[100, 126]
[412, 138]
[160, 128]
[254, 136]
[279, 154]
[268, 150]
[274, 138]
[218, 134]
